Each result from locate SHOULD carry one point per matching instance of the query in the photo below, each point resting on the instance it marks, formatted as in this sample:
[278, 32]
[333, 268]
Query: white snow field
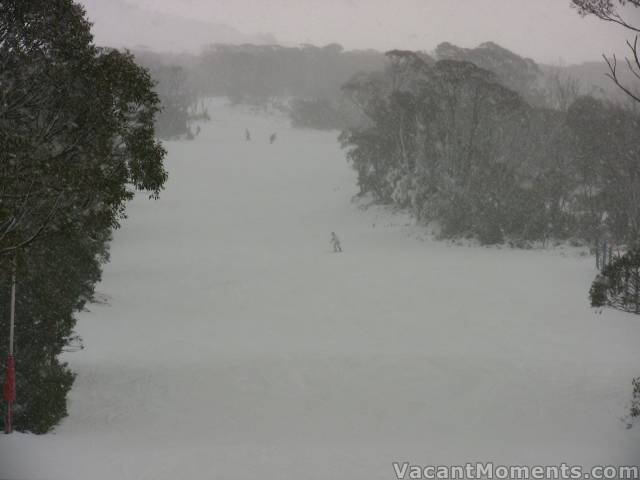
[235, 345]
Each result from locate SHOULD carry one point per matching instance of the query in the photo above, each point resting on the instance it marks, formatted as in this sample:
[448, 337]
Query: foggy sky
[546, 30]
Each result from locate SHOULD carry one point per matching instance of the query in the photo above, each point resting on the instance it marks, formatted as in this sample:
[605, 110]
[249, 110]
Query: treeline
[180, 100]
[76, 142]
[255, 74]
[306, 81]
[458, 145]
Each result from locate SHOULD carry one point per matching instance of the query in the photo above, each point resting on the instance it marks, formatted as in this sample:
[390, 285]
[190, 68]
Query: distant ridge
[124, 25]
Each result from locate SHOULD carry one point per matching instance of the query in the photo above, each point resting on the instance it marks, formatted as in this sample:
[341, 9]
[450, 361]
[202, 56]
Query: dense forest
[76, 142]
[452, 142]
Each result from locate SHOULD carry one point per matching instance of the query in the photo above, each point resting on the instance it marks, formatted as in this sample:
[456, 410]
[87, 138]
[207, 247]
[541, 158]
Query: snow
[235, 345]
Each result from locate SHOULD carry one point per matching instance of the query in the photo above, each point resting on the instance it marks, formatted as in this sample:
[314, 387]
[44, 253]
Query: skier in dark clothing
[335, 242]
[272, 138]
[247, 135]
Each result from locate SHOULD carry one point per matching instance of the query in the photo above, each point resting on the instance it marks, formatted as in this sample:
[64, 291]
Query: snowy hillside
[235, 345]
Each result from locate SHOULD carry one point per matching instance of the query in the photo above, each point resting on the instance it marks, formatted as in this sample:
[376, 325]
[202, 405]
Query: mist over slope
[126, 25]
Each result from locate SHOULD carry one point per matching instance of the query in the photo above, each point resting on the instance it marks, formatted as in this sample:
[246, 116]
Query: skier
[335, 243]
[247, 135]
[272, 138]
[198, 130]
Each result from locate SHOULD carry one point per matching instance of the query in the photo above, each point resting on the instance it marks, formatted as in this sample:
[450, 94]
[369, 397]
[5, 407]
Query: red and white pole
[9, 387]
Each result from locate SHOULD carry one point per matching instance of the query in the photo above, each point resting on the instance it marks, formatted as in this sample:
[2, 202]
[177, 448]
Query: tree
[619, 284]
[519, 74]
[316, 113]
[606, 288]
[176, 98]
[634, 409]
[76, 141]
[605, 158]
[76, 127]
[449, 141]
[609, 11]
[561, 90]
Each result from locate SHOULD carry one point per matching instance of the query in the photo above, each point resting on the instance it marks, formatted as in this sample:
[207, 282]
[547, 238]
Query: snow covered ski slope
[236, 345]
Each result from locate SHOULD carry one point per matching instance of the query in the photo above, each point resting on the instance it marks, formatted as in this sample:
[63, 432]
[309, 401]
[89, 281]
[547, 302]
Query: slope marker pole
[9, 388]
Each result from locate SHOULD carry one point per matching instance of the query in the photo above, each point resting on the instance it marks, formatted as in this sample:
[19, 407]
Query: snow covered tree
[609, 11]
[443, 139]
[513, 71]
[606, 152]
[619, 284]
[634, 410]
[449, 141]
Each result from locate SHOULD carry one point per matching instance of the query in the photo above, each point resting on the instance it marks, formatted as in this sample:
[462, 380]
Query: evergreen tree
[76, 141]
[619, 284]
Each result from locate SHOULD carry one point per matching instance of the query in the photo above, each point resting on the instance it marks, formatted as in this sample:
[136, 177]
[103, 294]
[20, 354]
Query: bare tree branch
[613, 75]
[605, 10]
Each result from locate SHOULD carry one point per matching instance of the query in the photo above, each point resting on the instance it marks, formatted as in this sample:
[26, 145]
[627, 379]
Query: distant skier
[247, 135]
[335, 242]
[198, 130]
[272, 138]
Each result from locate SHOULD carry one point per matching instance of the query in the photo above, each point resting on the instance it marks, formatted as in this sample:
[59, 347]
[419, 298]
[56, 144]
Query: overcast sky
[546, 30]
